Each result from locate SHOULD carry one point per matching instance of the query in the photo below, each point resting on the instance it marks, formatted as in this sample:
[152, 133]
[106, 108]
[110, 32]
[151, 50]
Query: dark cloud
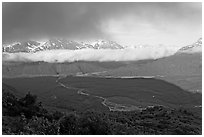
[84, 20]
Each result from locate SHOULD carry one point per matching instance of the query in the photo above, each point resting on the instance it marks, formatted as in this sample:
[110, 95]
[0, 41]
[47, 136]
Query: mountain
[55, 43]
[26, 46]
[58, 43]
[182, 68]
[104, 44]
[195, 47]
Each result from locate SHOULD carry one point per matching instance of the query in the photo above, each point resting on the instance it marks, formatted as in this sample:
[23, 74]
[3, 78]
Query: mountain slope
[195, 47]
[17, 69]
[183, 69]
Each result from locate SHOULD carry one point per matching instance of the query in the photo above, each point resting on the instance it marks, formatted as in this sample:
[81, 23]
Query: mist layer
[101, 55]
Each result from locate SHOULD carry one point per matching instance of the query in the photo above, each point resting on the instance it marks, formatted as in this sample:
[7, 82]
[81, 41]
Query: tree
[69, 124]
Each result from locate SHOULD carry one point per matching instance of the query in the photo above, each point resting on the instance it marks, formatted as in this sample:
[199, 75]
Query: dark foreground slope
[26, 116]
[53, 95]
[105, 93]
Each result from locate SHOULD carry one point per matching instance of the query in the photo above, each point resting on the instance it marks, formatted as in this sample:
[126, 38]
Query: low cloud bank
[100, 55]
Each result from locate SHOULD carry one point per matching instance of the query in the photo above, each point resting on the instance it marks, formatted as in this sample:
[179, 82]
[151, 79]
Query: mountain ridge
[58, 43]
[195, 47]
[32, 46]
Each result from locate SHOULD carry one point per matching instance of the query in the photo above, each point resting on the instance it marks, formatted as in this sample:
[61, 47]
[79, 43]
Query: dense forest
[24, 116]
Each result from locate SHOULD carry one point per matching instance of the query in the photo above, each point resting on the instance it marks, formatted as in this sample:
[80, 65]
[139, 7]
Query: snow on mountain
[195, 47]
[58, 43]
[26, 46]
[104, 44]
[61, 43]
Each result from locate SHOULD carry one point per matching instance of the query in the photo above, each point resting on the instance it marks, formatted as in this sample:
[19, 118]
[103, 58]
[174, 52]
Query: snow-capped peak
[26, 46]
[195, 47]
[105, 44]
[58, 43]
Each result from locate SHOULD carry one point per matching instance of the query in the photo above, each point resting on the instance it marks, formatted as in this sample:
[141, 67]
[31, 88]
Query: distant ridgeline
[32, 46]
[58, 43]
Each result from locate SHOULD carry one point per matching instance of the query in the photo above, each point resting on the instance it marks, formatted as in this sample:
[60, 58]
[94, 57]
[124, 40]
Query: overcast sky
[126, 23]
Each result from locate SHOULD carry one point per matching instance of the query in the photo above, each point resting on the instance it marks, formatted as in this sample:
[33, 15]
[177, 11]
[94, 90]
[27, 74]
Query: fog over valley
[92, 55]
